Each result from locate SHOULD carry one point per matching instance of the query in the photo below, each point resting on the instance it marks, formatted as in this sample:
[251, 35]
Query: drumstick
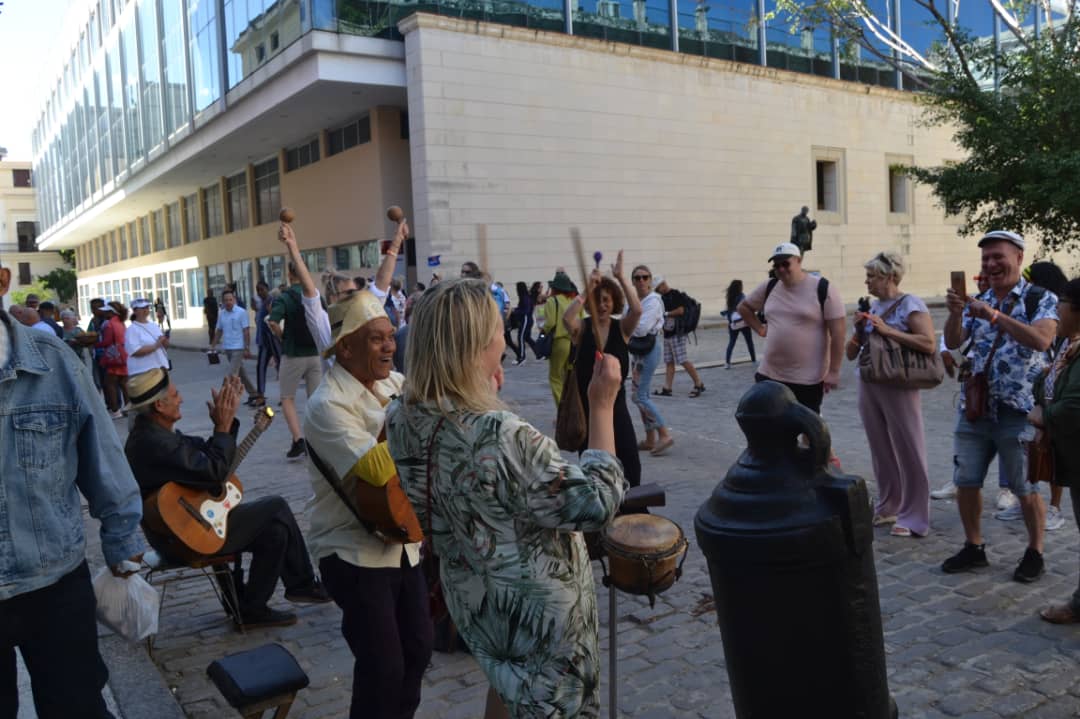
[575, 238]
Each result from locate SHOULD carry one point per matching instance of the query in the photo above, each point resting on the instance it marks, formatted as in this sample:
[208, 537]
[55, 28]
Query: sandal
[663, 446]
[662, 392]
[898, 531]
[697, 391]
[644, 446]
[880, 520]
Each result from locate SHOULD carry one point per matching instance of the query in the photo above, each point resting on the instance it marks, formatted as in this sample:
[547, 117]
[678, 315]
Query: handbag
[114, 356]
[445, 630]
[977, 387]
[641, 346]
[212, 357]
[885, 362]
[542, 345]
[1040, 458]
[570, 426]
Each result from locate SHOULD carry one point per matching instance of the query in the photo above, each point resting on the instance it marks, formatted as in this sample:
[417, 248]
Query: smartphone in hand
[959, 283]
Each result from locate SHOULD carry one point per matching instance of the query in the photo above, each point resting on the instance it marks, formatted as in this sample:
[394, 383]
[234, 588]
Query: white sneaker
[1012, 514]
[1054, 520]
[945, 491]
[1006, 499]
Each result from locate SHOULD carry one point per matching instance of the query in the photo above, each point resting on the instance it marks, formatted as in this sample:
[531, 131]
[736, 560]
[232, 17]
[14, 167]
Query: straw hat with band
[351, 314]
[147, 387]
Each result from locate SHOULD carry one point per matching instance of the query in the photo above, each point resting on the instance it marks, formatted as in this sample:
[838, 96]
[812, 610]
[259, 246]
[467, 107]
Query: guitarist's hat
[146, 388]
[350, 314]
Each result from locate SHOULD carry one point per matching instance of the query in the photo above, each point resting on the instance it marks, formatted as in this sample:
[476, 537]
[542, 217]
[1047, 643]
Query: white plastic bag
[129, 606]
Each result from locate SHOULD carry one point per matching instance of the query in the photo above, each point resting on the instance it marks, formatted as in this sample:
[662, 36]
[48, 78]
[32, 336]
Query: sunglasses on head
[638, 278]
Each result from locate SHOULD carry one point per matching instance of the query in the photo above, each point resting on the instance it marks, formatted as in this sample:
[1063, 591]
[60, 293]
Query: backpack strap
[1032, 299]
[822, 292]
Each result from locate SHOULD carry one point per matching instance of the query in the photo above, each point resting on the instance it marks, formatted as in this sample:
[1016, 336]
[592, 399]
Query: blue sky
[29, 29]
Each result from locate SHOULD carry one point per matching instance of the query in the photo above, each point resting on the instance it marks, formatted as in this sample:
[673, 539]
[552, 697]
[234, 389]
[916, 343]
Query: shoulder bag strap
[430, 467]
[1005, 310]
[334, 481]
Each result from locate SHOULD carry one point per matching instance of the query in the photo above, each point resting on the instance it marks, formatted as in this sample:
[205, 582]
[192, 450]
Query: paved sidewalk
[957, 645]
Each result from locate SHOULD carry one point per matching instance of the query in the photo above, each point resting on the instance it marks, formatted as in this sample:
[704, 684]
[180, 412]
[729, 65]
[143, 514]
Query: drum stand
[613, 653]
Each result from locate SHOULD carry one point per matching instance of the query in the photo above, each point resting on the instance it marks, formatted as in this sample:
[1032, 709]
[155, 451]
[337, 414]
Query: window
[122, 242]
[133, 240]
[27, 234]
[215, 275]
[826, 186]
[144, 236]
[404, 129]
[175, 236]
[351, 135]
[900, 189]
[267, 192]
[301, 155]
[212, 211]
[272, 270]
[191, 218]
[361, 255]
[898, 201]
[24, 274]
[260, 53]
[179, 311]
[195, 288]
[236, 186]
[829, 185]
[315, 260]
[241, 277]
[159, 230]
[21, 178]
[275, 41]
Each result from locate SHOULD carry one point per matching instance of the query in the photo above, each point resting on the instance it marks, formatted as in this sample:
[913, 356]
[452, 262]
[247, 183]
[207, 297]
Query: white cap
[785, 249]
[657, 280]
[1002, 235]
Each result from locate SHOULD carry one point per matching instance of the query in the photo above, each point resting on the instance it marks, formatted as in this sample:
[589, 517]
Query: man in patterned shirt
[1011, 333]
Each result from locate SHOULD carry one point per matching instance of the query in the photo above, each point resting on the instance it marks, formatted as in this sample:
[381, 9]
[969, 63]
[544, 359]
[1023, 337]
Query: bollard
[789, 552]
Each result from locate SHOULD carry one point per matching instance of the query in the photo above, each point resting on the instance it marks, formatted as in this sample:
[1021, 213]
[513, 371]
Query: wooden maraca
[395, 213]
[286, 215]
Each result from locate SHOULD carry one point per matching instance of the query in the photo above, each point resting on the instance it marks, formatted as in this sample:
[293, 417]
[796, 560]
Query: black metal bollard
[792, 568]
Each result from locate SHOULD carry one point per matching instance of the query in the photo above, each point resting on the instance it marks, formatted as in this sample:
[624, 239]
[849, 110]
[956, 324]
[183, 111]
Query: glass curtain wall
[151, 74]
[175, 63]
[203, 49]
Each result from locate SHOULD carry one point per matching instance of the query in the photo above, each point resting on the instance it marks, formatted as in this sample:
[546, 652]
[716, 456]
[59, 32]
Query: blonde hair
[887, 264]
[452, 323]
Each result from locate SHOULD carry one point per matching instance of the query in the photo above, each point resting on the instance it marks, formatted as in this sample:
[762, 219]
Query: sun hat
[562, 283]
[147, 387]
[351, 314]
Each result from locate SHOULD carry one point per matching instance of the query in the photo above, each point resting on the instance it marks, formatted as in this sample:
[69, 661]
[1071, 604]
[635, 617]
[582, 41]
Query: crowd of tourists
[501, 508]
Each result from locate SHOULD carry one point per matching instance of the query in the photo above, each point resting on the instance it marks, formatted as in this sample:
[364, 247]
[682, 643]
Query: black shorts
[808, 395]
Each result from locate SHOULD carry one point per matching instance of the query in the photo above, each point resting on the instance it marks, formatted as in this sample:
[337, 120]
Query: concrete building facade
[170, 183]
[19, 229]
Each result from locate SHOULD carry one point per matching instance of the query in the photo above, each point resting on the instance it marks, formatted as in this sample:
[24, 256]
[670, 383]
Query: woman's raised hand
[617, 268]
[605, 383]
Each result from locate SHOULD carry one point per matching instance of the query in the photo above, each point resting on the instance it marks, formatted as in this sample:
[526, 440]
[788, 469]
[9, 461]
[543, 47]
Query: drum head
[642, 534]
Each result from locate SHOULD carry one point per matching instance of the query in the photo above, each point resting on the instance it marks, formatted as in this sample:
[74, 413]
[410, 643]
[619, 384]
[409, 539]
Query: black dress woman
[610, 295]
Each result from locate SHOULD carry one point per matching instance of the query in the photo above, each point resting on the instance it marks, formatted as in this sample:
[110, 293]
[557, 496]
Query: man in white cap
[56, 442]
[805, 318]
[379, 586]
[159, 454]
[1010, 335]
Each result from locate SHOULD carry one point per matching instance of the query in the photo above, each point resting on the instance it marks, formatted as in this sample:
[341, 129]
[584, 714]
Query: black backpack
[822, 295]
[687, 322]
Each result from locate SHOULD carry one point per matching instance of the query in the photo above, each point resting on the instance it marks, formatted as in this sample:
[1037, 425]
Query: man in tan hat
[379, 587]
[159, 454]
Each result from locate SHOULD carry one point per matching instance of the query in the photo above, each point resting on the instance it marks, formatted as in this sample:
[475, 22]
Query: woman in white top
[144, 341]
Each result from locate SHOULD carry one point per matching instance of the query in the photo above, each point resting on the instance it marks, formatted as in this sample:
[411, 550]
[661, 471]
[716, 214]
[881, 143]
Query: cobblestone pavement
[957, 645]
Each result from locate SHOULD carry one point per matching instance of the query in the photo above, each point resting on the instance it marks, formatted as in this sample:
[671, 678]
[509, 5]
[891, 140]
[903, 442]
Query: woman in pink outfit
[892, 416]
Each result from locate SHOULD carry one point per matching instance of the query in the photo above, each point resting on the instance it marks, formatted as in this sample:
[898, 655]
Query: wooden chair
[253, 681]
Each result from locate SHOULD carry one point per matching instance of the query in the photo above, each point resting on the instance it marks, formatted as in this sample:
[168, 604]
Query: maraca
[286, 215]
[395, 213]
[597, 256]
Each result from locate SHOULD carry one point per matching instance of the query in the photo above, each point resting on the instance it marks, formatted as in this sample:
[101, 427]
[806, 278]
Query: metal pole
[568, 16]
[1038, 27]
[834, 43]
[763, 58]
[673, 8]
[613, 655]
[896, 53]
[997, 52]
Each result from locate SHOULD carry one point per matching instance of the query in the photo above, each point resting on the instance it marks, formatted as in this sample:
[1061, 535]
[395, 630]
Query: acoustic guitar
[198, 517]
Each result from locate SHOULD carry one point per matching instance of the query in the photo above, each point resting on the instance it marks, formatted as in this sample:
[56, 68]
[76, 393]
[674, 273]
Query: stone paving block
[963, 703]
[1018, 703]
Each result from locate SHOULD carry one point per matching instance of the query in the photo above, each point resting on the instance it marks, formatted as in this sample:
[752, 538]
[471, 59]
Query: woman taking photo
[892, 416]
[608, 298]
[736, 324]
[1057, 412]
[506, 510]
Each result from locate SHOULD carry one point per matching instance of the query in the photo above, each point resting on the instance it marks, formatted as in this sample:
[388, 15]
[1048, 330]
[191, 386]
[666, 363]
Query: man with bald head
[1010, 333]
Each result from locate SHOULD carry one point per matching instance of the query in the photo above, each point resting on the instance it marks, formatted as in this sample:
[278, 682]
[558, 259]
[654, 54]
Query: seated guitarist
[265, 527]
[379, 586]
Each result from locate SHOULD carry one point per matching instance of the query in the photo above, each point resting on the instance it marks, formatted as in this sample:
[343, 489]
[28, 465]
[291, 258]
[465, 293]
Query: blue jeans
[974, 445]
[645, 367]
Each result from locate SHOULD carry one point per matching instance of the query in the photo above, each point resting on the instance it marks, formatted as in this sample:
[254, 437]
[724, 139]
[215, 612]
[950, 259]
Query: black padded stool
[258, 679]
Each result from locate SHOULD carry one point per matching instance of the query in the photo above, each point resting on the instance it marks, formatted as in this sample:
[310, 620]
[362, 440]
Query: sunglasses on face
[639, 278]
[782, 265]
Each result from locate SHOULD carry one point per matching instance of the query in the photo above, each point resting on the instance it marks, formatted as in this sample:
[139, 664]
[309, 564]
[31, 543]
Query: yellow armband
[376, 467]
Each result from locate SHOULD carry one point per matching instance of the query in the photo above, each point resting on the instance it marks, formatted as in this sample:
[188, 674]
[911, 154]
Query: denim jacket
[56, 439]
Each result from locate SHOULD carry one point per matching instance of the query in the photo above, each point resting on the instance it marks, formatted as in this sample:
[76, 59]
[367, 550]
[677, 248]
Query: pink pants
[892, 418]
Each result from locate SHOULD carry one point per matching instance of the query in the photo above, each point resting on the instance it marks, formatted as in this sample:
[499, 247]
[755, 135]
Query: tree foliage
[1021, 143]
[18, 296]
[62, 281]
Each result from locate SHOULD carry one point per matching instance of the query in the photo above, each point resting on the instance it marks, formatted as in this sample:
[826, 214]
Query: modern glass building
[178, 127]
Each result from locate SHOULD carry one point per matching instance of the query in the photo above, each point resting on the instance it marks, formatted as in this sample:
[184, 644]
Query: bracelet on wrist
[994, 317]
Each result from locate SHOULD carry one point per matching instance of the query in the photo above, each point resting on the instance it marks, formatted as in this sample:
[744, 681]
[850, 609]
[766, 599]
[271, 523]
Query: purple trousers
[892, 418]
